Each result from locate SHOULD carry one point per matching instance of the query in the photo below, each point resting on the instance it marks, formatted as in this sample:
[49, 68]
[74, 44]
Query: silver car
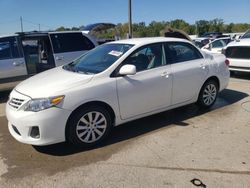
[25, 54]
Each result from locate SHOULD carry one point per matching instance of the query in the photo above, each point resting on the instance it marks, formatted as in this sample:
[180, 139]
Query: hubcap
[209, 94]
[91, 127]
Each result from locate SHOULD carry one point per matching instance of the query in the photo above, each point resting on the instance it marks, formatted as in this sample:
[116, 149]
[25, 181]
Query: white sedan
[112, 84]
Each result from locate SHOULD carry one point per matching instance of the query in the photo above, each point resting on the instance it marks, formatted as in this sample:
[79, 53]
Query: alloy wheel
[91, 127]
[209, 94]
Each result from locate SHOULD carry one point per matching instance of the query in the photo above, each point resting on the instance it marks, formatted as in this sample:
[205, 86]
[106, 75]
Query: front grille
[16, 103]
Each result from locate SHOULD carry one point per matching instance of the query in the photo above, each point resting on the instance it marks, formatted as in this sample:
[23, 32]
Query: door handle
[17, 63]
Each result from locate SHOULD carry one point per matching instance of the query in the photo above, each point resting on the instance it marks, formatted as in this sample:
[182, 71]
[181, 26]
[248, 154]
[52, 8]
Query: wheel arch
[214, 78]
[91, 103]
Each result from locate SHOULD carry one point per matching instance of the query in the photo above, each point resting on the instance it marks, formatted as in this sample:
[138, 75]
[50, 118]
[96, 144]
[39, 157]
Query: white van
[25, 54]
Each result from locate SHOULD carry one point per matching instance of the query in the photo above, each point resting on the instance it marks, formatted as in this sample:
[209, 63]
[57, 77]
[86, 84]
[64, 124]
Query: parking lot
[165, 150]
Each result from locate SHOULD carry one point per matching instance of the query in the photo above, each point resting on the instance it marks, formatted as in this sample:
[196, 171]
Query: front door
[150, 88]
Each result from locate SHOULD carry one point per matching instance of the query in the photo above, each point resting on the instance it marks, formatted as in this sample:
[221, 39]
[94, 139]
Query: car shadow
[241, 75]
[147, 125]
[4, 96]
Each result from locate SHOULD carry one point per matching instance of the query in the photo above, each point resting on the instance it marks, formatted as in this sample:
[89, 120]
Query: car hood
[51, 83]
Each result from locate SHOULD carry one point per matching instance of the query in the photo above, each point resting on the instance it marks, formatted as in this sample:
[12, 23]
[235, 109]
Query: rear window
[70, 42]
[238, 52]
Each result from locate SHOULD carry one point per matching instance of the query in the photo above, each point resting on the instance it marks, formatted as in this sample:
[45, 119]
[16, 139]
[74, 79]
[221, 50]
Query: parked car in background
[246, 35]
[112, 84]
[238, 54]
[25, 54]
[217, 45]
[214, 35]
[201, 41]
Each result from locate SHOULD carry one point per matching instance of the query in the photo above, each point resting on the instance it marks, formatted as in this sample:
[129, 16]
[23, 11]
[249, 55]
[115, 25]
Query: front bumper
[51, 123]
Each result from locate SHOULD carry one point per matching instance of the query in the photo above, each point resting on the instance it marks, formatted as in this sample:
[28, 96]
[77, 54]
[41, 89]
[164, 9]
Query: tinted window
[8, 48]
[218, 44]
[69, 42]
[178, 52]
[238, 52]
[146, 57]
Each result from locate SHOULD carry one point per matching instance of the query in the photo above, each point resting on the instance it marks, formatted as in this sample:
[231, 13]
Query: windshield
[246, 35]
[98, 59]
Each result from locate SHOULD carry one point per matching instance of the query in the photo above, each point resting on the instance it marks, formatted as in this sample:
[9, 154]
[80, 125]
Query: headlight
[36, 105]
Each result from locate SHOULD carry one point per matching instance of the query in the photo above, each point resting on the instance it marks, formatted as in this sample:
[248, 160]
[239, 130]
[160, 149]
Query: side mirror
[127, 70]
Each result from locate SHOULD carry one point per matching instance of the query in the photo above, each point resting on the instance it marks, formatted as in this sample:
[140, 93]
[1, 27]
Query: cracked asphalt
[165, 150]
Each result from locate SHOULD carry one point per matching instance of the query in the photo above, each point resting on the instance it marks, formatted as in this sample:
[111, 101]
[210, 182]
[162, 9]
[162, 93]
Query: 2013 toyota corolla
[112, 84]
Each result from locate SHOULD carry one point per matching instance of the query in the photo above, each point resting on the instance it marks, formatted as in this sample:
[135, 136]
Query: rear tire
[208, 94]
[89, 126]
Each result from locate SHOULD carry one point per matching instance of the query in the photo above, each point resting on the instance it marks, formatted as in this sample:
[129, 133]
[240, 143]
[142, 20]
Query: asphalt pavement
[169, 149]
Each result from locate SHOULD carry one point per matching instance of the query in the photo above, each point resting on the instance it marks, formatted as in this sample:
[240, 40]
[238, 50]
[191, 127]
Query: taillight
[227, 62]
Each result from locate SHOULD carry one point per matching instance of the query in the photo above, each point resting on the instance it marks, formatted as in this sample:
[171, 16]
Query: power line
[34, 23]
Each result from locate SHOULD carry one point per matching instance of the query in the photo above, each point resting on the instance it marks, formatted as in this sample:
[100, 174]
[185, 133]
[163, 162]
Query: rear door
[12, 63]
[69, 46]
[189, 70]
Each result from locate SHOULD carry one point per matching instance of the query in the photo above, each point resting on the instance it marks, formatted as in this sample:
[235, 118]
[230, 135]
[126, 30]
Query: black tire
[206, 102]
[73, 132]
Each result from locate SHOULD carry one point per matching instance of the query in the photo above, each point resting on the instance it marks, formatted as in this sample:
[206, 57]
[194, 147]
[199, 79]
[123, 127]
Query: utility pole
[21, 20]
[130, 34]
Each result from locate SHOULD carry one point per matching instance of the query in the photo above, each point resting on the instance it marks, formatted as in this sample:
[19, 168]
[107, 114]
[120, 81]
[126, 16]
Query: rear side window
[9, 48]
[70, 42]
[218, 44]
[177, 52]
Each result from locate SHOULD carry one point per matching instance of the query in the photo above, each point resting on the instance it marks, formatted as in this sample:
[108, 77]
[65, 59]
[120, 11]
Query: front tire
[208, 94]
[89, 126]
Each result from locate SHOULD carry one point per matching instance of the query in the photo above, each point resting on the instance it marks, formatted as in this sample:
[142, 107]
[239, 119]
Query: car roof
[148, 40]
[13, 35]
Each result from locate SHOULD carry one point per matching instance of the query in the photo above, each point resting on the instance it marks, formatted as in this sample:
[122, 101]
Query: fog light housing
[35, 133]
[16, 130]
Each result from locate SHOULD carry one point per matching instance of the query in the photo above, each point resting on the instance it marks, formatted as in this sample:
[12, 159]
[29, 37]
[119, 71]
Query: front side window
[177, 52]
[8, 48]
[98, 59]
[147, 57]
[70, 42]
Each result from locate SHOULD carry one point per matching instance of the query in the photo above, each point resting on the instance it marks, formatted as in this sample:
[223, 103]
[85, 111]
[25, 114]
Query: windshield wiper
[83, 72]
